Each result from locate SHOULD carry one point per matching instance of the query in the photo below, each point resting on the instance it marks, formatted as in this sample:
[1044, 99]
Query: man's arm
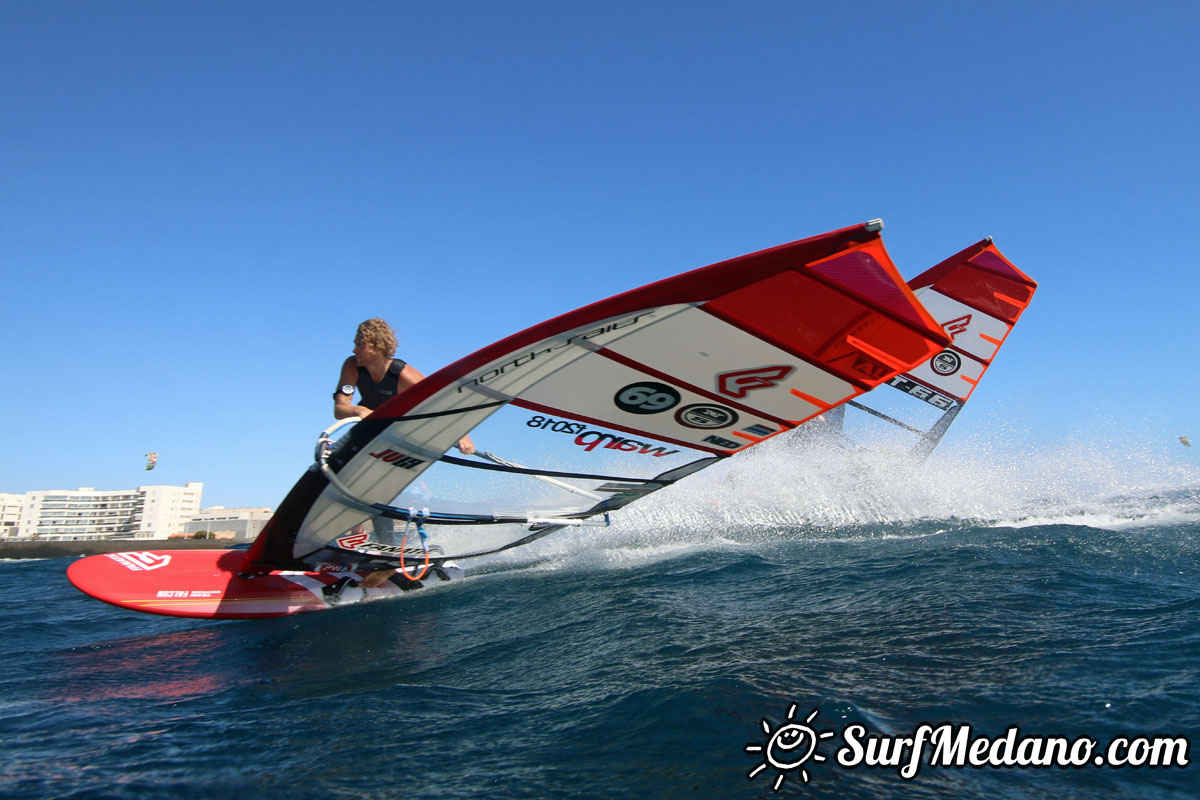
[407, 377]
[343, 404]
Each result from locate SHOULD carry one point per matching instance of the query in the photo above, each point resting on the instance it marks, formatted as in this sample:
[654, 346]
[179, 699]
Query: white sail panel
[641, 402]
[510, 374]
[972, 330]
[405, 448]
[952, 371]
[714, 355]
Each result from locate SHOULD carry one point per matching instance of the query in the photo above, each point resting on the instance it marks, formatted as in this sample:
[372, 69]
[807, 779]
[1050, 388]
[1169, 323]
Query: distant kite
[1185, 441]
[152, 459]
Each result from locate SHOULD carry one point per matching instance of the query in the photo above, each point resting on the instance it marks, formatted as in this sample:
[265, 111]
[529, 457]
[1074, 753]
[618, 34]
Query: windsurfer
[378, 376]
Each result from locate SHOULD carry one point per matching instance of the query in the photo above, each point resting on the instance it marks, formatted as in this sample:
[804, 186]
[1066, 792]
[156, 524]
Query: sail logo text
[551, 346]
[863, 365]
[396, 459]
[140, 560]
[352, 542]
[362, 543]
[956, 326]
[590, 439]
[946, 362]
[923, 392]
[737, 384]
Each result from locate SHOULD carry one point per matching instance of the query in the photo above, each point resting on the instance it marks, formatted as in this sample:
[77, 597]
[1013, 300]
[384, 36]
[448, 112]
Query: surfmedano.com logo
[790, 747]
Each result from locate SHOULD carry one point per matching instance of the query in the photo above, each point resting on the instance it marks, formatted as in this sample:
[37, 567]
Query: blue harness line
[417, 518]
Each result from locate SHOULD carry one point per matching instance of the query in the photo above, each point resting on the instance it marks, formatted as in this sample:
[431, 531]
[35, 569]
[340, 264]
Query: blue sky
[200, 201]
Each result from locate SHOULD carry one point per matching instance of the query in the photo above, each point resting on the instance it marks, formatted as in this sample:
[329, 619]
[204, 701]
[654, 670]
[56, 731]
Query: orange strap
[424, 567]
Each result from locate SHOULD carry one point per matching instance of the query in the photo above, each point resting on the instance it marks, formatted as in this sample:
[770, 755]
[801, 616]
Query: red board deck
[205, 584]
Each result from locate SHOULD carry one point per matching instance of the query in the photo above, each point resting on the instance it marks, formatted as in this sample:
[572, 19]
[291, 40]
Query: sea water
[1058, 594]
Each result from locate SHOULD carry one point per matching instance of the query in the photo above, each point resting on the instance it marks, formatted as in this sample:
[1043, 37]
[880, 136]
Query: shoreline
[90, 547]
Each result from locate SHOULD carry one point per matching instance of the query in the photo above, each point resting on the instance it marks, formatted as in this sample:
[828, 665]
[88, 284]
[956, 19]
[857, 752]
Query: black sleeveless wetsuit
[376, 394]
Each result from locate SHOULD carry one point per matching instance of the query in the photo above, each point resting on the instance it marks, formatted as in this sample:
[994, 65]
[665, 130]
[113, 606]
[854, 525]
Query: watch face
[347, 390]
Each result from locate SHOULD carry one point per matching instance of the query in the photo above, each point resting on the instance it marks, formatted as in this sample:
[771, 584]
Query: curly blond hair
[376, 334]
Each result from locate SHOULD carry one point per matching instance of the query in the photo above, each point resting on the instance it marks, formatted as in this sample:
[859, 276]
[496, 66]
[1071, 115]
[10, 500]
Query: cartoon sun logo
[789, 747]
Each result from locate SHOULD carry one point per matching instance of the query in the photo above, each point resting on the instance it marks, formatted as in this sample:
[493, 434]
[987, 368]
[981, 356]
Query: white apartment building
[10, 513]
[148, 512]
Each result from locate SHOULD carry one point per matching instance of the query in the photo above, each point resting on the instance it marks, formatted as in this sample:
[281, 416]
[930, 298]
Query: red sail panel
[859, 343]
[976, 295]
[981, 277]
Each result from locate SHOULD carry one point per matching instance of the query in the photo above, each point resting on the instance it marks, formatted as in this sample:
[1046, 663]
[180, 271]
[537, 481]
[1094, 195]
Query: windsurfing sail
[151, 460]
[1185, 441]
[585, 413]
[977, 295]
